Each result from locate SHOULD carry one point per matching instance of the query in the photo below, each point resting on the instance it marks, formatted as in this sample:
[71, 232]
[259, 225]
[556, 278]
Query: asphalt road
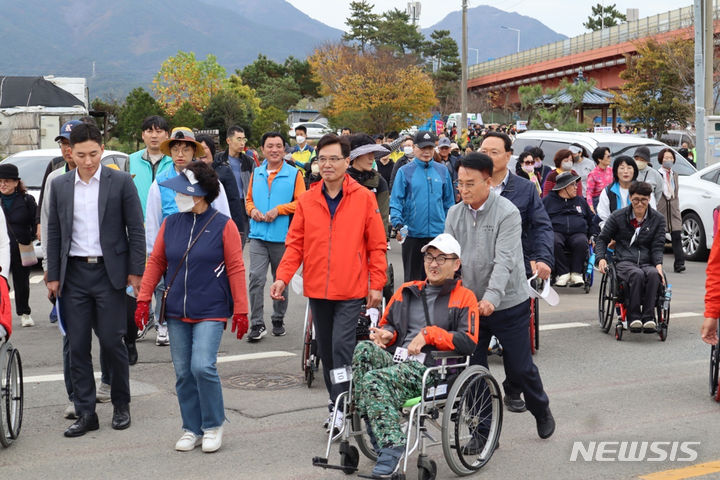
[639, 389]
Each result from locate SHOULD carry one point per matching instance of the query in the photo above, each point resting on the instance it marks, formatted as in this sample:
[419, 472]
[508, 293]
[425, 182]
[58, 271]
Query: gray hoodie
[492, 260]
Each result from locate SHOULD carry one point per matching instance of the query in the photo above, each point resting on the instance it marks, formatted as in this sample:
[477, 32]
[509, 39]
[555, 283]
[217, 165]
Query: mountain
[485, 34]
[128, 40]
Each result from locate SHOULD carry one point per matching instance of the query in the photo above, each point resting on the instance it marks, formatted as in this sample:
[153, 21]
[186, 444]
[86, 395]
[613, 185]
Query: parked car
[699, 194]
[315, 130]
[675, 138]
[33, 163]
[620, 144]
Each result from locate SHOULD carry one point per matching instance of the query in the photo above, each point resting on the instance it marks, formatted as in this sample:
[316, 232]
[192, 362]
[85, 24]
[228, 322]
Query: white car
[315, 130]
[699, 194]
[32, 165]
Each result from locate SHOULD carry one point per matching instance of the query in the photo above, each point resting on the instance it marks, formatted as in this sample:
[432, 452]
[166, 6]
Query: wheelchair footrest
[323, 463]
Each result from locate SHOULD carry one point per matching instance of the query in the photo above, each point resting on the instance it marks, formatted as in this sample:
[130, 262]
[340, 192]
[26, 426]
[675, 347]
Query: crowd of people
[174, 231]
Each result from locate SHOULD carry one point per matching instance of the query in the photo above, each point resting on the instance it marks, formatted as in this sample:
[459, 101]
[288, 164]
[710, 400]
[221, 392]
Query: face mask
[185, 203]
[668, 164]
[538, 164]
[300, 139]
[315, 168]
[408, 151]
[641, 164]
[528, 168]
[567, 166]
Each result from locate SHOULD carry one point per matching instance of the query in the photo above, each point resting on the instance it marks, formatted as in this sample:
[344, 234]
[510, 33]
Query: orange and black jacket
[455, 317]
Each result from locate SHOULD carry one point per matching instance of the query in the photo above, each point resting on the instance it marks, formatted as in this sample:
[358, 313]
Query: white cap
[444, 242]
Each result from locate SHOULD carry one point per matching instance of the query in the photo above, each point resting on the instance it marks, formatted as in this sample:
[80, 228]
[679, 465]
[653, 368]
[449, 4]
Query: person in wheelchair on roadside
[435, 314]
[573, 224]
[639, 234]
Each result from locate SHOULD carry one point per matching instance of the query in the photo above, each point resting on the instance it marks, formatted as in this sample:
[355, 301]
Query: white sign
[603, 129]
[521, 125]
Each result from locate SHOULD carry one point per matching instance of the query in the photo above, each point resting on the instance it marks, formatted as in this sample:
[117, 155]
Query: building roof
[594, 97]
[34, 92]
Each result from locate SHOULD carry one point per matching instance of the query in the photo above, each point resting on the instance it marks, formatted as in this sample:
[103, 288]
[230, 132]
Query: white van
[454, 119]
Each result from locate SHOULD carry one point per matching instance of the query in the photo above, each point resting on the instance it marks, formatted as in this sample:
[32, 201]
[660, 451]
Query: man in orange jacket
[338, 236]
[712, 294]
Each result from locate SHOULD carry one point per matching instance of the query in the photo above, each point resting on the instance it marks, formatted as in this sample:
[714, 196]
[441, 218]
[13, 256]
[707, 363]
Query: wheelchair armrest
[441, 354]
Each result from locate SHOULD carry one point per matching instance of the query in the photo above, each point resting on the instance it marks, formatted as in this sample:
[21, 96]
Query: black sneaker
[545, 424]
[514, 403]
[278, 329]
[256, 333]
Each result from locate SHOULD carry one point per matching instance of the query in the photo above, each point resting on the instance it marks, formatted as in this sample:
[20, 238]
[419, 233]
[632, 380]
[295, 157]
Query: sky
[574, 12]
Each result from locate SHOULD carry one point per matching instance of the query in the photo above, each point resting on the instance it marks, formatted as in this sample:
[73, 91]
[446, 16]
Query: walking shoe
[163, 337]
[576, 280]
[85, 423]
[680, 269]
[650, 325]
[387, 462]
[256, 333]
[514, 403]
[132, 353]
[474, 446]
[102, 394]
[150, 325]
[212, 439]
[636, 324]
[326, 423]
[545, 424]
[27, 320]
[69, 412]
[337, 426]
[188, 442]
[562, 280]
[278, 329]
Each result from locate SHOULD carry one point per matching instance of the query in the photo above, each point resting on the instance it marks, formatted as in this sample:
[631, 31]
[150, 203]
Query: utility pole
[464, 76]
[704, 52]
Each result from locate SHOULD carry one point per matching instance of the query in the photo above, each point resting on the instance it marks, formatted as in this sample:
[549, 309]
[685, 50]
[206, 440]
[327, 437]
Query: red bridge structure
[599, 55]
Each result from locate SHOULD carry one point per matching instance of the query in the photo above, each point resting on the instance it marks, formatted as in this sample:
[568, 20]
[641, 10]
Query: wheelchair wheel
[618, 331]
[472, 420]
[427, 469]
[606, 300]
[389, 287]
[663, 317]
[349, 457]
[11, 394]
[714, 369]
[531, 328]
[362, 438]
[310, 358]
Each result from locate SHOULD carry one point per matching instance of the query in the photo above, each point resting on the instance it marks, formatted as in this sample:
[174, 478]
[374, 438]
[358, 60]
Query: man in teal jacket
[147, 163]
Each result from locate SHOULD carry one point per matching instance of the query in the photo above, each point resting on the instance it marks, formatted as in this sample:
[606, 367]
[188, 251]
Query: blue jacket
[144, 172]
[537, 232]
[201, 288]
[421, 197]
[280, 191]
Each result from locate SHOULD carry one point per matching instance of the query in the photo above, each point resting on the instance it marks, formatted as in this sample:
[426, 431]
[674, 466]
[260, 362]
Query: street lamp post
[518, 35]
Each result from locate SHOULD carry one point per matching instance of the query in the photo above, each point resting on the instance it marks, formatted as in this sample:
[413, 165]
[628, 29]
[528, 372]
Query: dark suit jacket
[122, 233]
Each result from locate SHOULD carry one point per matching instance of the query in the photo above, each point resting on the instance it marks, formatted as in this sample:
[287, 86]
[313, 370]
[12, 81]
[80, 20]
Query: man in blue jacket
[421, 197]
[537, 231]
[149, 162]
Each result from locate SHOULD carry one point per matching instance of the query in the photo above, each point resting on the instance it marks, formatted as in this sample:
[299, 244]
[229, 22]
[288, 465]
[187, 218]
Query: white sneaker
[212, 439]
[649, 325]
[636, 324]
[102, 393]
[69, 412]
[27, 320]
[562, 280]
[188, 442]
[163, 337]
[338, 425]
[576, 280]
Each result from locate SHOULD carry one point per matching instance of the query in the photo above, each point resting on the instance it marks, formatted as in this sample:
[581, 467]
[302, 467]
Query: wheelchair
[587, 271]
[456, 398]
[714, 369]
[11, 394]
[495, 347]
[611, 302]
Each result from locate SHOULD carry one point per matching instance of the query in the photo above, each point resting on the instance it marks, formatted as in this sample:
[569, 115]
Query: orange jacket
[338, 254]
[712, 283]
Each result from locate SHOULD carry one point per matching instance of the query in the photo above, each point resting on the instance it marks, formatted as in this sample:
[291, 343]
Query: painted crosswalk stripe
[36, 279]
[685, 315]
[560, 326]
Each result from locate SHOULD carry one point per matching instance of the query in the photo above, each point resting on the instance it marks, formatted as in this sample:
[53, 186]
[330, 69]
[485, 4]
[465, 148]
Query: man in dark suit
[89, 271]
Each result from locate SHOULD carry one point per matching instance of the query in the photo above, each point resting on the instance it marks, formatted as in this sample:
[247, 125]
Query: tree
[279, 85]
[235, 104]
[111, 107]
[281, 93]
[603, 17]
[302, 74]
[270, 119]
[258, 73]
[372, 91]
[187, 116]
[544, 108]
[658, 89]
[395, 31]
[183, 78]
[139, 104]
[363, 24]
[442, 51]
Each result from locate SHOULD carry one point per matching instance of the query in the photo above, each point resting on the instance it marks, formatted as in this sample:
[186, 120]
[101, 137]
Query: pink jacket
[596, 181]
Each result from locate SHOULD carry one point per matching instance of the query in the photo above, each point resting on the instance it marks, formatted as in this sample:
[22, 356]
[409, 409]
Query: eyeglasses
[440, 259]
[180, 148]
[322, 160]
[63, 143]
[463, 185]
[530, 162]
[638, 201]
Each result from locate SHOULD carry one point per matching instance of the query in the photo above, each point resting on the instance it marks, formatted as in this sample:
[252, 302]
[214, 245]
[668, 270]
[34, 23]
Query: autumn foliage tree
[658, 85]
[374, 90]
[184, 78]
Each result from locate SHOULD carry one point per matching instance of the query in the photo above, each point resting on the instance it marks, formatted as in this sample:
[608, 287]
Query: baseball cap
[66, 129]
[444, 142]
[186, 183]
[444, 242]
[424, 138]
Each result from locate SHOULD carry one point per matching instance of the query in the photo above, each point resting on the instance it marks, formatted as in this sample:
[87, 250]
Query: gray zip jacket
[492, 260]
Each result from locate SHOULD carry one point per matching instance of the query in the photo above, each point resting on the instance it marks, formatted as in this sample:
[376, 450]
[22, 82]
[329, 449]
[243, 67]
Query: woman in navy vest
[207, 286]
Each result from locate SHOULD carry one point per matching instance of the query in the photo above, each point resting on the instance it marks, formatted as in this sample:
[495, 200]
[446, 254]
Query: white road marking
[559, 326]
[36, 279]
[231, 358]
[685, 315]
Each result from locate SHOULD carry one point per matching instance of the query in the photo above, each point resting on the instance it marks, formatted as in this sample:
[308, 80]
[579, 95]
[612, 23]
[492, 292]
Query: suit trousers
[412, 257]
[90, 303]
[510, 326]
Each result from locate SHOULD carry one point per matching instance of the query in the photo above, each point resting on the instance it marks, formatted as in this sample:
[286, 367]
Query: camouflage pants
[380, 389]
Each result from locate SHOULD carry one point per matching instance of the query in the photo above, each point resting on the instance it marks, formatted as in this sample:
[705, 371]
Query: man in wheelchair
[639, 235]
[435, 314]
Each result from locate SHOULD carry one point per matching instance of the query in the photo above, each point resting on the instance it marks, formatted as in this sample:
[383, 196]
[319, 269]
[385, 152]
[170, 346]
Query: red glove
[239, 324]
[142, 315]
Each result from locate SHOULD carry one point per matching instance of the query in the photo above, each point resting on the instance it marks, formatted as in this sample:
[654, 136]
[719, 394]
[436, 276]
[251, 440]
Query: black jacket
[569, 216]
[236, 202]
[399, 163]
[647, 249]
[20, 218]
